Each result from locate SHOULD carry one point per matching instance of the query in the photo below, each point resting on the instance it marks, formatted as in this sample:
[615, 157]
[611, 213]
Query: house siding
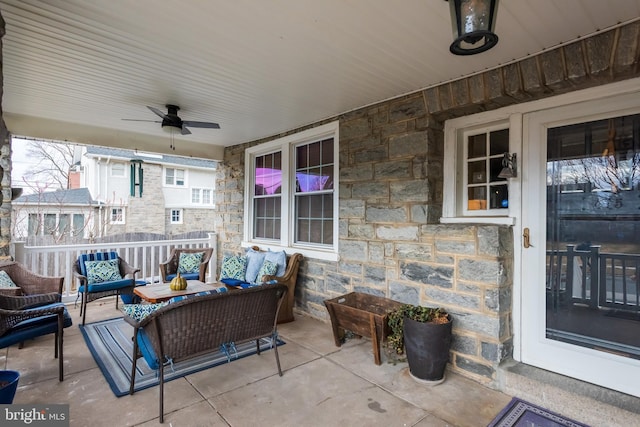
[391, 193]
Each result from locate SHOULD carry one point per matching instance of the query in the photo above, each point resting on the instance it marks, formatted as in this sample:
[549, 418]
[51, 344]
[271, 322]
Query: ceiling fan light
[473, 22]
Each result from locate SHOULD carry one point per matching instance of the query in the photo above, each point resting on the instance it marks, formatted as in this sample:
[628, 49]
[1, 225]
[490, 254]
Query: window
[176, 216]
[473, 159]
[201, 196]
[484, 151]
[174, 177]
[117, 169]
[291, 195]
[117, 216]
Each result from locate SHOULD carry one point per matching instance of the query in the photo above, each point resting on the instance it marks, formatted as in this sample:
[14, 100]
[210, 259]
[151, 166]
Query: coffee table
[161, 292]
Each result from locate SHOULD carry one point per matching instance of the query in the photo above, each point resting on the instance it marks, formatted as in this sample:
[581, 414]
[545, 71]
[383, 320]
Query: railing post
[19, 253]
[596, 267]
[213, 262]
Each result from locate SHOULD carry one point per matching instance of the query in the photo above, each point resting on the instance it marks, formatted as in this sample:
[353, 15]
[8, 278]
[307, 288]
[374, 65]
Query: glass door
[583, 318]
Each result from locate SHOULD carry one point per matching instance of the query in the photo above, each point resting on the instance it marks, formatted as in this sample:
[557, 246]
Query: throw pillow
[189, 262]
[279, 258]
[255, 259]
[5, 280]
[268, 269]
[102, 271]
[233, 267]
[140, 311]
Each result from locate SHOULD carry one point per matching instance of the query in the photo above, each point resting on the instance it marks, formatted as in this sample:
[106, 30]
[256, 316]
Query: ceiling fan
[172, 123]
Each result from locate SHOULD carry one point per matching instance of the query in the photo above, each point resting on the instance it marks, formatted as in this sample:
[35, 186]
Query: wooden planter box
[362, 314]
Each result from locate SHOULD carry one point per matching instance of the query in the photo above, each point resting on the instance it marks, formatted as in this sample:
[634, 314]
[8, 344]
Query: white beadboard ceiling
[73, 69]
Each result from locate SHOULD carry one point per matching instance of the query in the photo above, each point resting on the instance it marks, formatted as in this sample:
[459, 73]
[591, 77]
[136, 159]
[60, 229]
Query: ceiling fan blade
[200, 124]
[158, 112]
[137, 120]
[184, 130]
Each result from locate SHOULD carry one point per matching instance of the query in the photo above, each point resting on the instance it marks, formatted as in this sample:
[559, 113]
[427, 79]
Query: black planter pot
[427, 346]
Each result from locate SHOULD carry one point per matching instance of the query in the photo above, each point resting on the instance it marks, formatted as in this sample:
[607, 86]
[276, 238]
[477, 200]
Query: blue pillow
[102, 271]
[140, 311]
[233, 267]
[279, 258]
[189, 262]
[268, 269]
[254, 262]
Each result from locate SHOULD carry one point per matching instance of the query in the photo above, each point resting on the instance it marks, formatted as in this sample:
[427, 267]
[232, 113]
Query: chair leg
[84, 304]
[135, 360]
[55, 352]
[59, 342]
[258, 346]
[161, 392]
[117, 298]
[275, 349]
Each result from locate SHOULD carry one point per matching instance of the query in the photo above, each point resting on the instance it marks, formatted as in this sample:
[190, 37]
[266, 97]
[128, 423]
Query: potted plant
[425, 334]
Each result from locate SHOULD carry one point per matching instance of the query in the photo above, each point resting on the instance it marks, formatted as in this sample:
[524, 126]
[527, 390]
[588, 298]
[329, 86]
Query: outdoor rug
[519, 413]
[111, 345]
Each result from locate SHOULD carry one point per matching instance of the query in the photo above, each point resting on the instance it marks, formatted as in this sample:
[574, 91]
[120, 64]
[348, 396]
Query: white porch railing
[58, 260]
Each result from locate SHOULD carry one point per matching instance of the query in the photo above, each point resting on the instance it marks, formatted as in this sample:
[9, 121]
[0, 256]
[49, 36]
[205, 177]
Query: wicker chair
[169, 268]
[198, 325]
[289, 279]
[93, 291]
[29, 283]
[31, 316]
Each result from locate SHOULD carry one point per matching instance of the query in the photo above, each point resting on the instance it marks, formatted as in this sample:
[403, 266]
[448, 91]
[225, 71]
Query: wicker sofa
[201, 324]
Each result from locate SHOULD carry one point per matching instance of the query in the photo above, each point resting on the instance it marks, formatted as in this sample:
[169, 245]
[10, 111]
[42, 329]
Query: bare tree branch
[53, 163]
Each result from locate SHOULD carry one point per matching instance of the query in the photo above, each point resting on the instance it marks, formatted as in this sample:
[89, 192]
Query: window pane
[495, 168]
[78, 224]
[64, 225]
[169, 177]
[327, 178]
[314, 154]
[268, 175]
[327, 151]
[49, 224]
[477, 198]
[179, 176]
[477, 146]
[499, 197]
[477, 172]
[499, 142]
[206, 197]
[302, 157]
[314, 221]
[195, 195]
[267, 218]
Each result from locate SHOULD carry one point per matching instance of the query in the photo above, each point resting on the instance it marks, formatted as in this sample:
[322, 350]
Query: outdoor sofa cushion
[34, 327]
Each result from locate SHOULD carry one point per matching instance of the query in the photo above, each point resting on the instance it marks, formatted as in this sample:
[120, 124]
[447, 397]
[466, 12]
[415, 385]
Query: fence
[57, 260]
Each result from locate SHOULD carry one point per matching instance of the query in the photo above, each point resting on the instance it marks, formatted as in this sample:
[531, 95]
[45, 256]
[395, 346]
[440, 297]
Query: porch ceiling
[74, 69]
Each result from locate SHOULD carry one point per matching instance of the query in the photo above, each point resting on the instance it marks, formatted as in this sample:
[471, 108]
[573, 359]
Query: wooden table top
[161, 292]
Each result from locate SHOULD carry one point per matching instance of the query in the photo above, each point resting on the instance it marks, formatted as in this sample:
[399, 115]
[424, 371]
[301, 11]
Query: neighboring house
[117, 191]
[59, 215]
[149, 193]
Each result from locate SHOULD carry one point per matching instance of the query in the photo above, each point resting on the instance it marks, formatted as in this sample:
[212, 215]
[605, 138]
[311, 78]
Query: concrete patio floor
[322, 385]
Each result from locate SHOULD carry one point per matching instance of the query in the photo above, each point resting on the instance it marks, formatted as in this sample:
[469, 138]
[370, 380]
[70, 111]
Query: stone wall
[146, 214]
[391, 183]
[192, 220]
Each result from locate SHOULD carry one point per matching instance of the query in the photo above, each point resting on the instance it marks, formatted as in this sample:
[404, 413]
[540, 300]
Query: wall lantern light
[473, 22]
[509, 168]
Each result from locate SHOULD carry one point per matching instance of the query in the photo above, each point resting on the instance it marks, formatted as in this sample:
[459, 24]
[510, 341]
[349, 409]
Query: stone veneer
[5, 169]
[391, 184]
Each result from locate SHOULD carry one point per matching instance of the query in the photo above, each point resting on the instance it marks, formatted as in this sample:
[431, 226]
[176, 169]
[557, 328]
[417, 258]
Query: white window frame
[179, 213]
[116, 172]
[200, 194]
[286, 146]
[175, 178]
[455, 206]
[111, 215]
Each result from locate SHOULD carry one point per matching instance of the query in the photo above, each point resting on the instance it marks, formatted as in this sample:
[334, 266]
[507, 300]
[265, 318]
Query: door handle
[525, 238]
